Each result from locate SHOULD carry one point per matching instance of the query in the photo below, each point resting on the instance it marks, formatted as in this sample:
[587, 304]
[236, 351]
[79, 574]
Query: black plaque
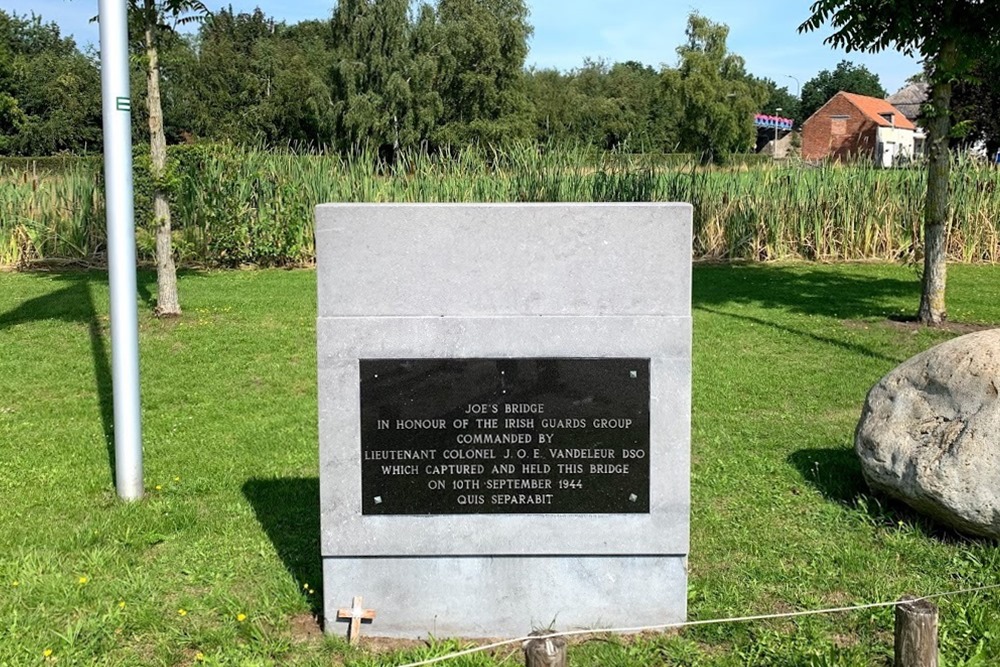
[504, 436]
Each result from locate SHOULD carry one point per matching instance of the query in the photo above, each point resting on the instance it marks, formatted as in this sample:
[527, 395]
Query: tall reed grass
[236, 206]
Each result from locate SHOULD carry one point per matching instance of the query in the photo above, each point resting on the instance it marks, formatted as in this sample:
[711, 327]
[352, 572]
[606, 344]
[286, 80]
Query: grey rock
[929, 433]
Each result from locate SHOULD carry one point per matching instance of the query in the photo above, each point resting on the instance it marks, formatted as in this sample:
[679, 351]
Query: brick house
[851, 126]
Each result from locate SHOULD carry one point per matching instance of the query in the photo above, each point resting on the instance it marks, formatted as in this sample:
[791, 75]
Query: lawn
[220, 563]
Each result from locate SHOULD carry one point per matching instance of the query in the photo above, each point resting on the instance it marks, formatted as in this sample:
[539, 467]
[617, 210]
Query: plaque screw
[631, 374]
[378, 500]
[632, 497]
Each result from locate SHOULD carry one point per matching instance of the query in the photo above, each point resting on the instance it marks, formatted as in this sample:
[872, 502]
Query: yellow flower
[305, 587]
[241, 617]
[121, 604]
[199, 656]
[158, 487]
[15, 583]
[47, 652]
[177, 479]
[182, 612]
[311, 591]
[82, 580]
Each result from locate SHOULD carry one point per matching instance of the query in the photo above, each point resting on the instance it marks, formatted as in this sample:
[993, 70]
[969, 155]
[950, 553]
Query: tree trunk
[932, 308]
[167, 303]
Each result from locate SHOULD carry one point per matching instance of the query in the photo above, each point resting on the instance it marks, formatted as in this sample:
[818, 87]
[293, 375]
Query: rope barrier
[689, 624]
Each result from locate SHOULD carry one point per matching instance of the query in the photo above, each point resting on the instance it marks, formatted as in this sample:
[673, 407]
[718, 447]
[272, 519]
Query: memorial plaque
[504, 436]
[504, 414]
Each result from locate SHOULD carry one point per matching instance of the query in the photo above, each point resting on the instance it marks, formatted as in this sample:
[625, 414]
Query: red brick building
[852, 126]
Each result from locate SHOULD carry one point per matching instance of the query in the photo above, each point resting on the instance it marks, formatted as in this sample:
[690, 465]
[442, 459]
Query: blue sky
[567, 31]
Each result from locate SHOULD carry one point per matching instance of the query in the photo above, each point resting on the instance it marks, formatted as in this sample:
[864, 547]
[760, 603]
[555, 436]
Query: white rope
[688, 624]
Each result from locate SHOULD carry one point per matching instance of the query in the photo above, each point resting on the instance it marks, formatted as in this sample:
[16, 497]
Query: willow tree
[153, 20]
[950, 35]
[718, 98]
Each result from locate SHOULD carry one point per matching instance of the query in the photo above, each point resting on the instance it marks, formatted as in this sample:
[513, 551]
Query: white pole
[121, 247]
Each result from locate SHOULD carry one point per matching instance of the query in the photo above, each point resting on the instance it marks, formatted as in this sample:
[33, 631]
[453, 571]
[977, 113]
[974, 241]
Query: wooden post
[916, 633]
[544, 651]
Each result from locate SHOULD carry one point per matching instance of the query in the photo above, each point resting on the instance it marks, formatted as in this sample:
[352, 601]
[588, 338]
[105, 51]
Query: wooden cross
[356, 614]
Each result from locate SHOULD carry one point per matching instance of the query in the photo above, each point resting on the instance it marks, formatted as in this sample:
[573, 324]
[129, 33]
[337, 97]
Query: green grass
[781, 519]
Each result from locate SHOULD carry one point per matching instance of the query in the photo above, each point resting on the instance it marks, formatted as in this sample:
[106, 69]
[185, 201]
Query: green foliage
[846, 77]
[717, 97]
[49, 91]
[390, 76]
[950, 35]
[976, 101]
[780, 98]
[234, 206]
[620, 107]
[384, 75]
[483, 44]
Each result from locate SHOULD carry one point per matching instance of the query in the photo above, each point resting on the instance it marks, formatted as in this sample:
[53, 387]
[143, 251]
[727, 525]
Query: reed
[235, 206]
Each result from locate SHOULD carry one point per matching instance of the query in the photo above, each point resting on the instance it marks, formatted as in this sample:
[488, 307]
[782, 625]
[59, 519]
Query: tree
[718, 98]
[482, 82]
[846, 77]
[381, 75]
[976, 102]
[780, 98]
[49, 92]
[152, 19]
[951, 36]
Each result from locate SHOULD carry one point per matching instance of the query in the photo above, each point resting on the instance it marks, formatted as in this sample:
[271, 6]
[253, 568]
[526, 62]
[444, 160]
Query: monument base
[505, 596]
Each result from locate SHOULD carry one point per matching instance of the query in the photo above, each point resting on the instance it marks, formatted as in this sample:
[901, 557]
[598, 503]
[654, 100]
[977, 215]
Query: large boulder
[929, 434]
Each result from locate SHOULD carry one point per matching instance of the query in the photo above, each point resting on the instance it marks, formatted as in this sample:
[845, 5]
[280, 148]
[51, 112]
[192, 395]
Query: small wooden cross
[356, 614]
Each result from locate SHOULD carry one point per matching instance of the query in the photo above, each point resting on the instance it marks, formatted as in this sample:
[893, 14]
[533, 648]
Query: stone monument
[504, 399]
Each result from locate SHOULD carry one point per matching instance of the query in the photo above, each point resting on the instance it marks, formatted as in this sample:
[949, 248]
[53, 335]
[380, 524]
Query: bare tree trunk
[167, 303]
[932, 308]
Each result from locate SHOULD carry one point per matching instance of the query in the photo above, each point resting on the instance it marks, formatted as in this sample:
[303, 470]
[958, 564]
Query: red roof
[873, 107]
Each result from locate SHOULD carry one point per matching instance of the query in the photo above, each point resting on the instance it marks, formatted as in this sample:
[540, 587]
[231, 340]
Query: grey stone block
[503, 259]
[507, 596]
[505, 281]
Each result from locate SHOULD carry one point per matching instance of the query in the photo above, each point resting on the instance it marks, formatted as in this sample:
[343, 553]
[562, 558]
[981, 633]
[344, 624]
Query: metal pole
[774, 154]
[798, 88]
[121, 247]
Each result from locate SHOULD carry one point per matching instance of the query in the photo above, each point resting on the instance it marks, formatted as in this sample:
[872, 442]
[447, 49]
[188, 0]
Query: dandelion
[47, 653]
[241, 617]
[312, 592]
[177, 479]
[82, 580]
[199, 657]
[15, 583]
[305, 587]
[121, 604]
[158, 487]
[182, 612]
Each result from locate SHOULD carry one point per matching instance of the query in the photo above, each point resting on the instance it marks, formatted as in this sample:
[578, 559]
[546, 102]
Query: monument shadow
[288, 510]
[75, 303]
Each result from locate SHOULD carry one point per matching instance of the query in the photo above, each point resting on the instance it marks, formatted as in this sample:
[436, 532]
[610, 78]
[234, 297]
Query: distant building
[851, 126]
[909, 99]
